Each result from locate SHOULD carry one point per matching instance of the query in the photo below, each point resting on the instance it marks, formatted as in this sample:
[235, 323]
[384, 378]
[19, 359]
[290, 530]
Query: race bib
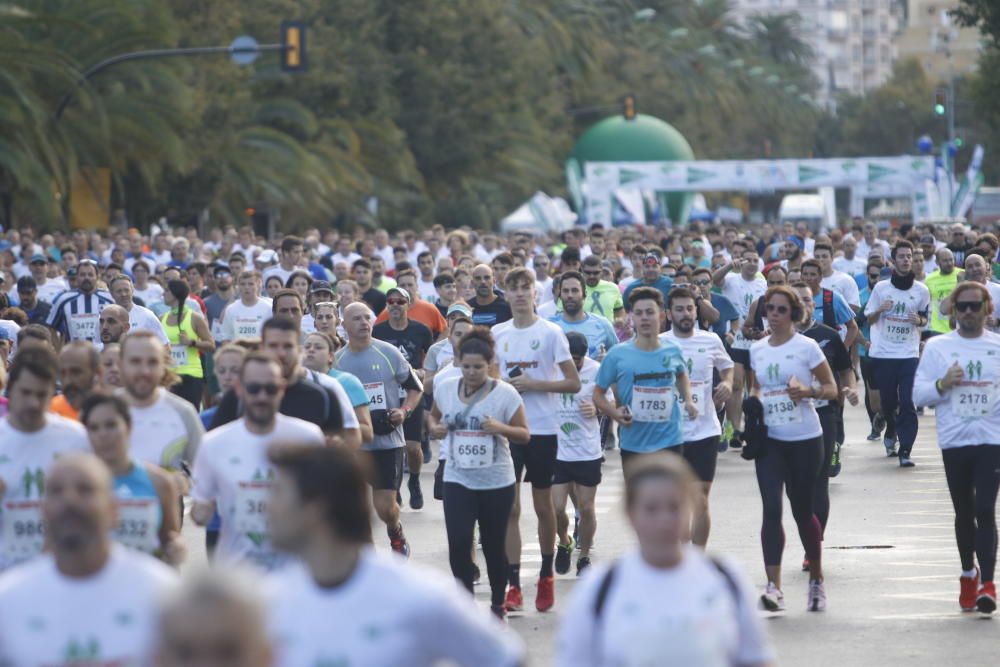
[972, 399]
[23, 529]
[701, 396]
[472, 449]
[83, 326]
[898, 330]
[779, 408]
[652, 404]
[376, 396]
[178, 354]
[251, 507]
[247, 327]
[137, 524]
[217, 329]
[819, 402]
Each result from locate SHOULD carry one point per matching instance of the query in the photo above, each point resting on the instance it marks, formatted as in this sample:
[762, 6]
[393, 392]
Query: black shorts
[386, 471]
[536, 460]
[867, 371]
[741, 357]
[702, 456]
[584, 473]
[413, 426]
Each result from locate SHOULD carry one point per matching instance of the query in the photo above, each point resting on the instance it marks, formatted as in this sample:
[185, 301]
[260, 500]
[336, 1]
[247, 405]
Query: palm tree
[777, 35]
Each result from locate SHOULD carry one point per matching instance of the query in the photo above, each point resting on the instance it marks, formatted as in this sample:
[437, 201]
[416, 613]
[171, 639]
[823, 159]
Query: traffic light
[293, 46]
[629, 107]
[940, 101]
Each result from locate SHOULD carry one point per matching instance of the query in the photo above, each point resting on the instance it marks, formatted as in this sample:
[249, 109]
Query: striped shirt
[75, 314]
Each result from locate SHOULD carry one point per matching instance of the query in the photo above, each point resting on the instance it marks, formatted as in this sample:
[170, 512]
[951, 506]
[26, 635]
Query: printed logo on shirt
[747, 299]
[88, 652]
[36, 479]
[773, 372]
[899, 308]
[568, 428]
[535, 344]
[690, 365]
[522, 364]
[974, 370]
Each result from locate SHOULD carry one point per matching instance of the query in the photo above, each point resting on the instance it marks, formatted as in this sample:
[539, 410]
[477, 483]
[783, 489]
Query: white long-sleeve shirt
[969, 412]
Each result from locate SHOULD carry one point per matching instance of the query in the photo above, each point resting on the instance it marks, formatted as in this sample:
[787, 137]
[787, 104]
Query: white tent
[541, 214]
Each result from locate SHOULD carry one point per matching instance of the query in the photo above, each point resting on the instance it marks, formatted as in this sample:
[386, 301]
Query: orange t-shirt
[61, 406]
[424, 312]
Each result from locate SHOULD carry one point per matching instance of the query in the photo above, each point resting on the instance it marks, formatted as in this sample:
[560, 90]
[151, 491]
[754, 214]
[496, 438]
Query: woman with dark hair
[789, 373]
[476, 416]
[300, 281]
[189, 337]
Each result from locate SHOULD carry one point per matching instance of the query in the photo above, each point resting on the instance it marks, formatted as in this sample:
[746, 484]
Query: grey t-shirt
[382, 371]
[501, 404]
[438, 355]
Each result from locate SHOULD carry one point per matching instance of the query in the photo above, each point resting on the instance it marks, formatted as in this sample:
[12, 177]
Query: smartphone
[516, 371]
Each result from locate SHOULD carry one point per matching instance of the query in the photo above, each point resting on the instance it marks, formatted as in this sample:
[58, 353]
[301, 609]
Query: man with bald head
[940, 283]
[488, 308]
[79, 374]
[139, 317]
[977, 270]
[112, 591]
[113, 323]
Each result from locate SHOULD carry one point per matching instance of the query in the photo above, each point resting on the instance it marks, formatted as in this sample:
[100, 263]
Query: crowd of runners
[282, 393]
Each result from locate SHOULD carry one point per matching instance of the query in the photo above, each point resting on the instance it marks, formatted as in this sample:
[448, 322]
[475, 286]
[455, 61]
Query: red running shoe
[546, 597]
[986, 601]
[967, 594]
[514, 601]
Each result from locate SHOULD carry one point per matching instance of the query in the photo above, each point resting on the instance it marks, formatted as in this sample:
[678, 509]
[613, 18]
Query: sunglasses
[965, 306]
[592, 273]
[775, 308]
[255, 388]
[701, 283]
[396, 302]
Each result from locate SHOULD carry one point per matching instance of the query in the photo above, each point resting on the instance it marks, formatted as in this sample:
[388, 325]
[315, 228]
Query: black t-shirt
[304, 399]
[413, 341]
[489, 315]
[833, 348]
[375, 300]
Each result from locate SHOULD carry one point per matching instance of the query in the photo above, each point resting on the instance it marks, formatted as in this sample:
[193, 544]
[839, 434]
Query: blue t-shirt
[663, 283]
[597, 330]
[842, 313]
[352, 386]
[626, 366]
[727, 313]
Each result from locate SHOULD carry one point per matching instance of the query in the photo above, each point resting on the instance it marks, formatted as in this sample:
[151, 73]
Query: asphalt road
[890, 560]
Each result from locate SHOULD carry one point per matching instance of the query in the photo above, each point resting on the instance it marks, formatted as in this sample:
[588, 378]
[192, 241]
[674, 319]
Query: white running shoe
[772, 599]
[817, 596]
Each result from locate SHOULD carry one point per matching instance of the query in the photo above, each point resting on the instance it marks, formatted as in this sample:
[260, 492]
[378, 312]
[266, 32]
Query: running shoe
[817, 596]
[499, 612]
[582, 563]
[564, 554]
[727, 435]
[986, 601]
[400, 545]
[875, 434]
[835, 460]
[723, 445]
[880, 423]
[905, 462]
[416, 494]
[967, 591]
[736, 442]
[890, 446]
[514, 601]
[545, 599]
[805, 563]
[772, 599]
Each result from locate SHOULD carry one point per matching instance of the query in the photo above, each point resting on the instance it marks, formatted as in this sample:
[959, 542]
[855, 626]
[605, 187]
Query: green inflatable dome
[644, 139]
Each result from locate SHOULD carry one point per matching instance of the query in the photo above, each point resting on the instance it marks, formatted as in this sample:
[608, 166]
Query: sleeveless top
[139, 513]
[185, 358]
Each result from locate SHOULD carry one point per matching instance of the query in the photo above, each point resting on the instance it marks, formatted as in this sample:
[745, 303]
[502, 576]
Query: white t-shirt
[703, 352]
[388, 613]
[152, 294]
[348, 259]
[52, 288]
[742, 293]
[109, 618]
[864, 250]
[579, 438]
[844, 285]
[969, 412]
[773, 367]
[548, 309]
[242, 321]
[233, 470]
[280, 271]
[426, 290]
[348, 416]
[24, 462]
[537, 350]
[161, 434]
[851, 267]
[687, 615]
[544, 290]
[894, 336]
[140, 317]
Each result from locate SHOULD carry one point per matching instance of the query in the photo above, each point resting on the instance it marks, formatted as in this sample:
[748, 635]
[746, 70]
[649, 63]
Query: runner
[650, 412]
[784, 367]
[412, 339]
[578, 461]
[604, 299]
[79, 375]
[704, 356]
[476, 416]
[385, 612]
[533, 356]
[70, 603]
[148, 514]
[385, 375]
[872, 403]
[896, 310]
[318, 355]
[74, 313]
[244, 317]
[139, 317]
[488, 307]
[30, 439]
[598, 331]
[958, 375]
[113, 324]
[232, 473]
[189, 337]
[419, 310]
[663, 602]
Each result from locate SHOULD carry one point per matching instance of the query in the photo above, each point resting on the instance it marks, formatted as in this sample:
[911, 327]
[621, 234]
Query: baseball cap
[651, 258]
[37, 257]
[220, 267]
[928, 239]
[578, 344]
[460, 308]
[320, 286]
[400, 291]
[267, 257]
[25, 283]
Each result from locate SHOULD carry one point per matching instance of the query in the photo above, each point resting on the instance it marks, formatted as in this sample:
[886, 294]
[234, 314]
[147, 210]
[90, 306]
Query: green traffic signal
[958, 142]
[939, 109]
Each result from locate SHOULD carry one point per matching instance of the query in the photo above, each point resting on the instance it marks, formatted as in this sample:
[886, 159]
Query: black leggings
[973, 480]
[491, 507]
[821, 502]
[794, 466]
[190, 389]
